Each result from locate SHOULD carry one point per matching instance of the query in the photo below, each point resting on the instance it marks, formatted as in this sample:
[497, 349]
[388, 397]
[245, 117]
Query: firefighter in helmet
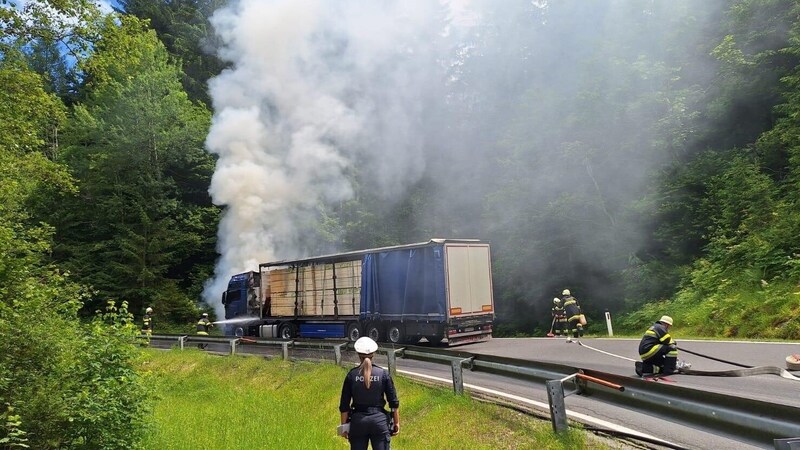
[559, 317]
[572, 310]
[147, 323]
[658, 350]
[203, 327]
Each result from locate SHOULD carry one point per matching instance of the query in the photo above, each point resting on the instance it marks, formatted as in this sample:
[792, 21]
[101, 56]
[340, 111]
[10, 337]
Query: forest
[643, 154]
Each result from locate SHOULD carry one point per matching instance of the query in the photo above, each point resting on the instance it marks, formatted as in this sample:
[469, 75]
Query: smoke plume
[313, 88]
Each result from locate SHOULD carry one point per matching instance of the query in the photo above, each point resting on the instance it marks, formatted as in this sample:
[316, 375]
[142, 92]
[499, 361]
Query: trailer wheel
[374, 332]
[353, 331]
[395, 334]
[286, 331]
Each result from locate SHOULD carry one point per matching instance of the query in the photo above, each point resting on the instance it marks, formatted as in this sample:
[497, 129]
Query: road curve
[615, 355]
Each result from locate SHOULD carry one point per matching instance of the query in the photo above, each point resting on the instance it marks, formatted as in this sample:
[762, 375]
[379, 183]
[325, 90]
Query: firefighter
[559, 317]
[659, 352]
[147, 323]
[365, 392]
[572, 311]
[203, 327]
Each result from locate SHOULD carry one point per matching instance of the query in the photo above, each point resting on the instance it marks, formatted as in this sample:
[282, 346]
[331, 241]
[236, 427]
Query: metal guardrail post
[234, 343]
[458, 377]
[285, 346]
[556, 395]
[181, 340]
[391, 356]
[558, 409]
[337, 352]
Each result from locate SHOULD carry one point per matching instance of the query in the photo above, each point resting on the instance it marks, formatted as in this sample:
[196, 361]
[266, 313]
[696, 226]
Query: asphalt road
[769, 388]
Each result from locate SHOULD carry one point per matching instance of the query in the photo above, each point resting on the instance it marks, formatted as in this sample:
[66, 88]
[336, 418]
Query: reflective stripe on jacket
[654, 339]
[203, 326]
[571, 307]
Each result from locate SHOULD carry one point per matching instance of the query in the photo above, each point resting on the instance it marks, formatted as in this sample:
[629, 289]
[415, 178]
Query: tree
[183, 26]
[65, 384]
[139, 226]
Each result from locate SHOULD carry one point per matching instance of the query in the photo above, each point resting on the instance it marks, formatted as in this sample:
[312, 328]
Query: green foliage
[54, 34]
[142, 222]
[184, 28]
[72, 385]
[31, 118]
[14, 437]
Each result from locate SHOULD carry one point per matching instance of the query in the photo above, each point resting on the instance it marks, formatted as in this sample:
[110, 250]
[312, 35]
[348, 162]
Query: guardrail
[744, 419]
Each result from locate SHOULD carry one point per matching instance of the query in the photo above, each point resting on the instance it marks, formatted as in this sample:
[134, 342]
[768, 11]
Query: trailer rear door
[469, 279]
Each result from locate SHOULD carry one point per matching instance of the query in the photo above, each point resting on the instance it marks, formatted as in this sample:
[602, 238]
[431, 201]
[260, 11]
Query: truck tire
[286, 331]
[375, 332]
[353, 331]
[396, 333]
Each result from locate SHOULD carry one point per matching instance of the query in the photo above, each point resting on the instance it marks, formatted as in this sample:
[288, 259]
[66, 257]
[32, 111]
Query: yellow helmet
[148, 310]
[556, 300]
[565, 292]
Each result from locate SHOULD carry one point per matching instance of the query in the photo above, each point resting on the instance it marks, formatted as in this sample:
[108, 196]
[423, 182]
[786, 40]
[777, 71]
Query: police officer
[203, 327]
[573, 312]
[366, 390]
[659, 352]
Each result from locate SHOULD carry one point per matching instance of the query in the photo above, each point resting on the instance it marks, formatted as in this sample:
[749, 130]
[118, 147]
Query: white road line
[545, 407]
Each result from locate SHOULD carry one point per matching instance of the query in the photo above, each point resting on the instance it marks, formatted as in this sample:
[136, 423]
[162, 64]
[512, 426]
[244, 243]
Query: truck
[440, 290]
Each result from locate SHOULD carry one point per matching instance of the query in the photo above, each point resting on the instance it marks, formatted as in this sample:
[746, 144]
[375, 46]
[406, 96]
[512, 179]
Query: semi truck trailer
[440, 290]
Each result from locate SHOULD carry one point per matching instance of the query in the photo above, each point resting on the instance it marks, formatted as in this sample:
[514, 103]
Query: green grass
[737, 311]
[211, 402]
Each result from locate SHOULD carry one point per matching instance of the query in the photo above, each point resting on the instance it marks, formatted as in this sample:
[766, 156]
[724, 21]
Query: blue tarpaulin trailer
[440, 290]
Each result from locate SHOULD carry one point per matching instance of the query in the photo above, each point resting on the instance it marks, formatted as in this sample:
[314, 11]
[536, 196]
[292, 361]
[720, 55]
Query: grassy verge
[734, 311]
[211, 402]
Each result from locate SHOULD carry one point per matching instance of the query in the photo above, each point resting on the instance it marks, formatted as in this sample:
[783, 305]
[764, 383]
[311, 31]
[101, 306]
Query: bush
[69, 385]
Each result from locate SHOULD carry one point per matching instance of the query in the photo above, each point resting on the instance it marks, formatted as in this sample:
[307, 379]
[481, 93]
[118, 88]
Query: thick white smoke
[314, 88]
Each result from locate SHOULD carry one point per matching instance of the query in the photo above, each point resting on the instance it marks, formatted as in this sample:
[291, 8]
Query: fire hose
[745, 370]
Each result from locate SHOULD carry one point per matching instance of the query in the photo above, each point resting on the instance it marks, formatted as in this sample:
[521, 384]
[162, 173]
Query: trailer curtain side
[406, 284]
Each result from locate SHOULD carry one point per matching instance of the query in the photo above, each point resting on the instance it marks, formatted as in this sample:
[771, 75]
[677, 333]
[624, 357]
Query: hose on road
[745, 370]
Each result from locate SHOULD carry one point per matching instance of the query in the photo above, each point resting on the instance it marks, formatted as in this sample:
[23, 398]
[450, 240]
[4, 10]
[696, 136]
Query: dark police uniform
[369, 422]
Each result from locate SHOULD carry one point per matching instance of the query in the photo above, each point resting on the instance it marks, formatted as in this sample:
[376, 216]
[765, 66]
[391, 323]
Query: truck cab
[238, 298]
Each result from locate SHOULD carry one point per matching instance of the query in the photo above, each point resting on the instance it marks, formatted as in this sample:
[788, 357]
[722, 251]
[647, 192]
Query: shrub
[69, 385]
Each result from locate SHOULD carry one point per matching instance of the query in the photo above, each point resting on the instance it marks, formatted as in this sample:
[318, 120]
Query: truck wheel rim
[394, 335]
[354, 334]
